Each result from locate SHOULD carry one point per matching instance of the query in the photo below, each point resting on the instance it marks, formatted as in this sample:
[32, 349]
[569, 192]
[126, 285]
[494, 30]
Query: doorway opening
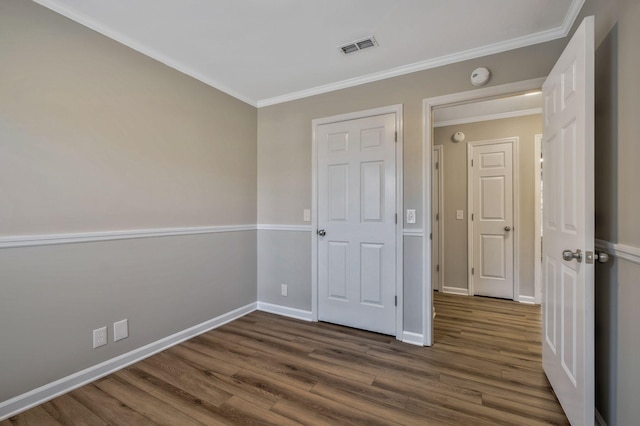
[455, 122]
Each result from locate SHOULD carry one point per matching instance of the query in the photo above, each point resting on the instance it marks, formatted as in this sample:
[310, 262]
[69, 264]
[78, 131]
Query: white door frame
[440, 247]
[392, 109]
[537, 234]
[516, 201]
[427, 145]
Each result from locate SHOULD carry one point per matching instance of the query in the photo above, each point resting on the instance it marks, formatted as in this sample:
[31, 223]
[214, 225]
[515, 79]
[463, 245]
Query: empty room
[281, 212]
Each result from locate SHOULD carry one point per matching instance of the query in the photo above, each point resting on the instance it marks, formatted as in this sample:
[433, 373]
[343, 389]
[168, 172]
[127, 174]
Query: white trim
[441, 218]
[51, 390]
[285, 311]
[537, 221]
[515, 158]
[391, 109]
[427, 144]
[292, 228]
[599, 420]
[487, 50]
[455, 290]
[412, 338]
[413, 232]
[527, 300]
[622, 251]
[88, 237]
[488, 117]
[88, 22]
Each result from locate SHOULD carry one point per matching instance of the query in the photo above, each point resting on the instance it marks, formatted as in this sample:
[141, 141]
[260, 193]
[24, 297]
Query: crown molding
[82, 19]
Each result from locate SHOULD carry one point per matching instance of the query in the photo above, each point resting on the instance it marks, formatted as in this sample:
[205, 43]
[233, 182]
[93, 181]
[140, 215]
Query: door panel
[356, 209]
[491, 190]
[568, 302]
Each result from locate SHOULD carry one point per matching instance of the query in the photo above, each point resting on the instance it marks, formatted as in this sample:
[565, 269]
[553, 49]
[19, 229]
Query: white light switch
[411, 215]
[459, 214]
[307, 215]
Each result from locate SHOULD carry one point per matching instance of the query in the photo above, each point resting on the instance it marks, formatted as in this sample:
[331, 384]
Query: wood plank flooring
[484, 369]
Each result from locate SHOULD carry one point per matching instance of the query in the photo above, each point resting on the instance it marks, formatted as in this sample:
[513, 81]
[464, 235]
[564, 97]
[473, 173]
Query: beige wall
[97, 137]
[455, 193]
[617, 206]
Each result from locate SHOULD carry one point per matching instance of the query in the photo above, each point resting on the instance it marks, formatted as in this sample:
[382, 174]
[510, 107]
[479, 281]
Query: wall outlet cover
[459, 214]
[99, 337]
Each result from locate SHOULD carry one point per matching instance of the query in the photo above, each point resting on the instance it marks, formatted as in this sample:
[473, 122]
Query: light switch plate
[411, 215]
[459, 214]
[307, 215]
[120, 330]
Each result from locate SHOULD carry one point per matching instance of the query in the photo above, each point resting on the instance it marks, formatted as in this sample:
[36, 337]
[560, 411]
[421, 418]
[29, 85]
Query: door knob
[507, 228]
[322, 232]
[568, 255]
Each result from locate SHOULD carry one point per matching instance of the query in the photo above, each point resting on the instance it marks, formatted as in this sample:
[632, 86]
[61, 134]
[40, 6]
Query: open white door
[568, 301]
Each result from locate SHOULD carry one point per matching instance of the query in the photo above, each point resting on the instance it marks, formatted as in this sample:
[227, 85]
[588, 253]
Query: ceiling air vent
[357, 45]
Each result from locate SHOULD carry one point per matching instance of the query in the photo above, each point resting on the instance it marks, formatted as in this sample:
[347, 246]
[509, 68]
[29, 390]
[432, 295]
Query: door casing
[392, 109]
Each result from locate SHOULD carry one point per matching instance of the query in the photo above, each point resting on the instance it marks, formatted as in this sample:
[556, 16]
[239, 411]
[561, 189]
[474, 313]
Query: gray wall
[617, 206]
[284, 152]
[96, 137]
[454, 167]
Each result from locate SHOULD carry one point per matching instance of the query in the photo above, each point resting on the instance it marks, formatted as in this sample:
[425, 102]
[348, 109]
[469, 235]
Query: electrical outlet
[307, 215]
[411, 216]
[283, 289]
[99, 337]
[459, 214]
[120, 330]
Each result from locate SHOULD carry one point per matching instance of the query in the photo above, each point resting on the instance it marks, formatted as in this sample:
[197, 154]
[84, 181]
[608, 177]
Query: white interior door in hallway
[568, 227]
[491, 200]
[356, 202]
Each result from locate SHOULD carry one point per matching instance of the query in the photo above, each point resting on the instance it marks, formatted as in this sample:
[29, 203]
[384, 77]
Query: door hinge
[431, 236]
[396, 218]
[437, 165]
[396, 301]
[396, 137]
[437, 217]
[471, 217]
[473, 271]
[471, 163]
[437, 268]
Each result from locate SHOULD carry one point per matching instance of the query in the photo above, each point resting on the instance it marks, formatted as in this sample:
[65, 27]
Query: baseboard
[599, 420]
[285, 311]
[413, 338]
[455, 290]
[528, 300]
[51, 390]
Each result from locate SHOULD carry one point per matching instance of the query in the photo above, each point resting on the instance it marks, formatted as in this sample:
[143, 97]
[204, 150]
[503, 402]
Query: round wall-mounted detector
[480, 76]
[458, 137]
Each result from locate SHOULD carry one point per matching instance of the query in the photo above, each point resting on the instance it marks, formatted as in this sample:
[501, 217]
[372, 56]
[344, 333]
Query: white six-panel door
[491, 192]
[356, 193]
[568, 224]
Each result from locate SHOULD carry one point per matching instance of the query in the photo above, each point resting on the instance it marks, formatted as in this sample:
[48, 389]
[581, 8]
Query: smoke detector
[358, 45]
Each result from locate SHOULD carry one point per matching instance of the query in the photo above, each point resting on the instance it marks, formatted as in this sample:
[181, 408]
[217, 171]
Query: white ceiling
[269, 51]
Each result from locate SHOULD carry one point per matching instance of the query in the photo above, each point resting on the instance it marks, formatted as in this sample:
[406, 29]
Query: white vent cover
[357, 45]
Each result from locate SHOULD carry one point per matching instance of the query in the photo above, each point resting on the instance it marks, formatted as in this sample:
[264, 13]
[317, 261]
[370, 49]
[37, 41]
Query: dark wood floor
[484, 369]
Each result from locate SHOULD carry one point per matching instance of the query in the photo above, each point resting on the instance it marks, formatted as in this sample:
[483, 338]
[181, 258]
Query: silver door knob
[507, 228]
[322, 232]
[602, 257]
[568, 255]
